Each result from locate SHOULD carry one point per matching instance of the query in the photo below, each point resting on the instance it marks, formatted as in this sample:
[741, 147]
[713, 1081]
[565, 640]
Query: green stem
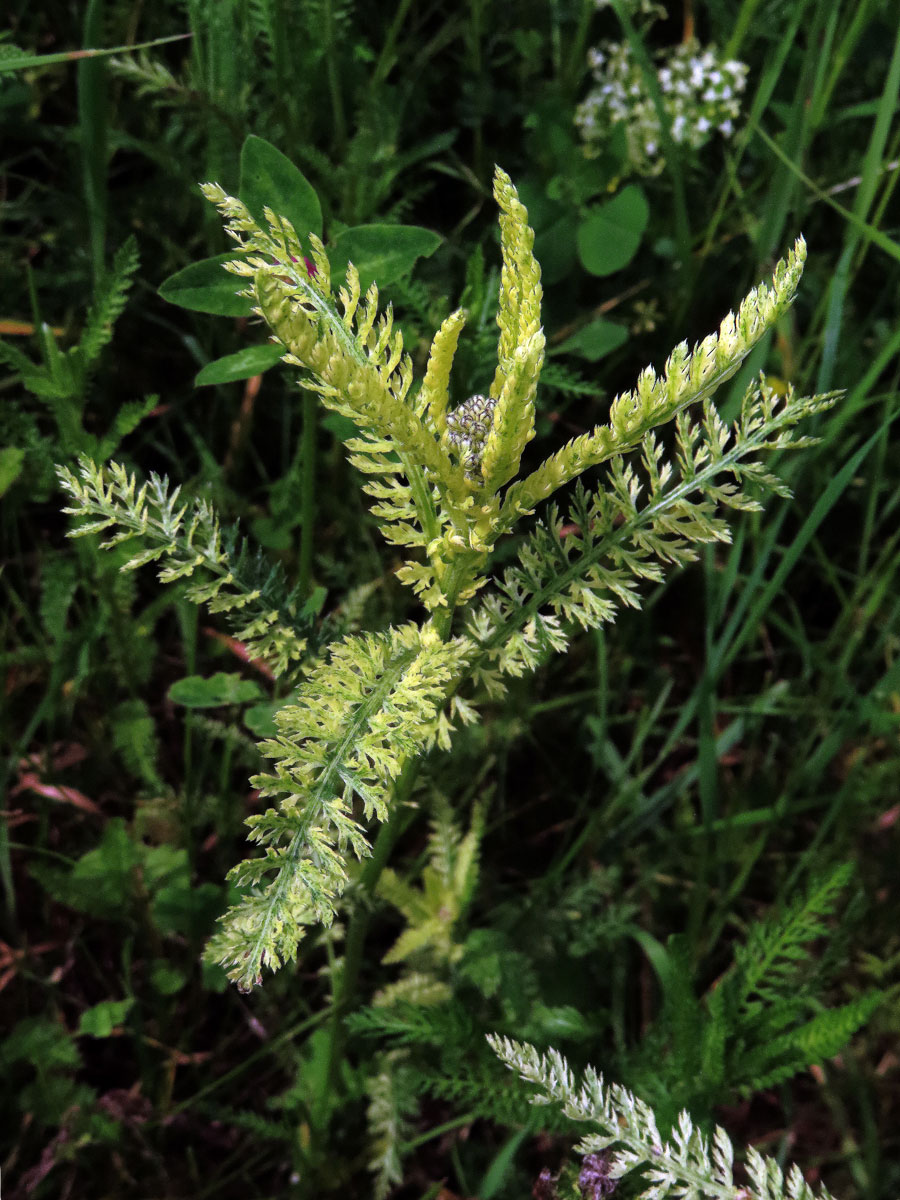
[307, 492]
[452, 585]
[387, 58]
[347, 980]
[421, 494]
[92, 132]
[334, 85]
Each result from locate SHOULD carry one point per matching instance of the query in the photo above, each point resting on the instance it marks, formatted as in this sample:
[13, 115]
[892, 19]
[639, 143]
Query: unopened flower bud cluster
[467, 430]
[700, 93]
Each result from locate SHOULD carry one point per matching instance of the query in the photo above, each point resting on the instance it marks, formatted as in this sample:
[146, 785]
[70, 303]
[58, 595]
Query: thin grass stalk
[92, 123]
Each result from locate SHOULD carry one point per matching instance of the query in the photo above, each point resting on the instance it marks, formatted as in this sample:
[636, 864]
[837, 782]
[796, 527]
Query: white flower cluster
[467, 430]
[700, 94]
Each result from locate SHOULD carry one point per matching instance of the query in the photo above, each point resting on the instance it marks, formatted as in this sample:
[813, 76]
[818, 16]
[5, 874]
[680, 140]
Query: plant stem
[339, 126]
[92, 129]
[345, 986]
[307, 492]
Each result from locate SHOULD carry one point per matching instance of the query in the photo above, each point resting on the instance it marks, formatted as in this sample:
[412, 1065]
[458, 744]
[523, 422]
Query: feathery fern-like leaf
[688, 1165]
[582, 570]
[689, 376]
[110, 302]
[185, 538]
[358, 717]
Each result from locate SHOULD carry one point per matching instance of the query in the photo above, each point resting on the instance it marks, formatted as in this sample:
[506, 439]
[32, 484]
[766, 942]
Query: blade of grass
[747, 617]
[761, 100]
[888, 245]
[92, 126]
[25, 62]
[797, 135]
[865, 195]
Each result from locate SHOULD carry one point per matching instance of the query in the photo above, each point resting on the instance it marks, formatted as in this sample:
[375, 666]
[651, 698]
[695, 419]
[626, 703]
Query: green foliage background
[639, 855]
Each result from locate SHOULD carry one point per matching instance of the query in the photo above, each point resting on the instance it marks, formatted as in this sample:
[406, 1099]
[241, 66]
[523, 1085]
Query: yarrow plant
[447, 488]
[688, 1164]
[701, 96]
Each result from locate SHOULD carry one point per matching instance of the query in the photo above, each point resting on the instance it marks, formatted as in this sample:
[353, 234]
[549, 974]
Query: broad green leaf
[11, 460]
[554, 225]
[206, 286]
[260, 718]
[275, 533]
[49, 1098]
[381, 253]
[583, 179]
[187, 909]
[562, 1021]
[554, 248]
[270, 180]
[163, 865]
[243, 364]
[43, 1043]
[101, 1019]
[214, 691]
[102, 881]
[610, 234]
[167, 979]
[594, 340]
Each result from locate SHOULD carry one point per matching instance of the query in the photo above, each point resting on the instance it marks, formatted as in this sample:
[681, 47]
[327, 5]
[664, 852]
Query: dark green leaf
[269, 179]
[167, 979]
[101, 1019]
[610, 234]
[313, 605]
[43, 1043]
[195, 691]
[594, 340]
[206, 286]
[102, 881]
[554, 248]
[243, 364]
[381, 253]
[561, 1021]
[260, 718]
[48, 1099]
[11, 461]
[188, 910]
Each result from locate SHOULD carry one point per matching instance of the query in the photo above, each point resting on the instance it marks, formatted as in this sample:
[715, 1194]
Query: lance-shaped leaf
[520, 350]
